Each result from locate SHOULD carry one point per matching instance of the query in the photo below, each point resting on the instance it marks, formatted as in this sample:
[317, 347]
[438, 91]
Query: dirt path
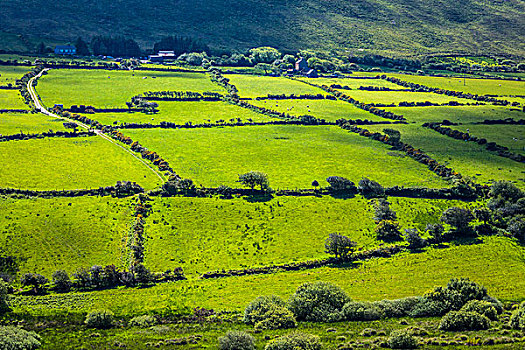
[43, 110]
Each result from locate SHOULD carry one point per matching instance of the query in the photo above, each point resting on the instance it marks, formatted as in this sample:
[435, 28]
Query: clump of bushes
[517, 320]
[100, 319]
[318, 301]
[481, 307]
[370, 189]
[295, 340]
[402, 339]
[464, 321]
[143, 321]
[256, 310]
[236, 340]
[14, 338]
[361, 311]
[276, 317]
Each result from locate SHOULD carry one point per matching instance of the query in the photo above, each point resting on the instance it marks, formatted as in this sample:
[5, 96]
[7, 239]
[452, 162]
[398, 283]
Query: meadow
[328, 110]
[65, 164]
[101, 88]
[15, 123]
[64, 233]
[11, 99]
[183, 112]
[252, 86]
[473, 86]
[511, 136]
[10, 74]
[292, 156]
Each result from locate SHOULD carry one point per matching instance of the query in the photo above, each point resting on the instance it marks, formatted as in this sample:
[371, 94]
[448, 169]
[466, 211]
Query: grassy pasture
[63, 233]
[182, 112]
[497, 263]
[56, 164]
[474, 86]
[511, 136]
[468, 158]
[292, 156]
[15, 123]
[10, 74]
[214, 234]
[353, 83]
[93, 87]
[459, 114]
[254, 86]
[323, 109]
[11, 99]
[389, 97]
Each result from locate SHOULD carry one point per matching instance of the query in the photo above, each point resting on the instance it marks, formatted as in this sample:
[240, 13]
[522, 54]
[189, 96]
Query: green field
[323, 109]
[511, 136]
[473, 86]
[468, 158]
[183, 112]
[459, 114]
[354, 84]
[11, 99]
[394, 97]
[63, 233]
[292, 156]
[260, 86]
[10, 74]
[57, 164]
[15, 123]
[114, 88]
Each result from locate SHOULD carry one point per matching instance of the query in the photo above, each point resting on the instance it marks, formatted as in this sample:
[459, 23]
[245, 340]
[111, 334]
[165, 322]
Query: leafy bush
[318, 301]
[516, 228]
[61, 281]
[361, 311]
[402, 339]
[339, 245]
[435, 231]
[464, 321]
[143, 321]
[255, 178]
[34, 280]
[338, 183]
[426, 307]
[457, 293]
[458, 217]
[517, 320]
[256, 310]
[414, 240]
[481, 307]
[236, 340]
[3, 296]
[277, 317]
[101, 319]
[13, 338]
[398, 307]
[370, 189]
[388, 230]
[295, 341]
[383, 211]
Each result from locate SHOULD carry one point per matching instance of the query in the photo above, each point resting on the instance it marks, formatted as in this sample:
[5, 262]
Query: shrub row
[135, 242]
[501, 151]
[22, 83]
[22, 136]
[509, 121]
[459, 94]
[305, 119]
[92, 110]
[296, 97]
[14, 111]
[218, 123]
[121, 189]
[181, 96]
[83, 119]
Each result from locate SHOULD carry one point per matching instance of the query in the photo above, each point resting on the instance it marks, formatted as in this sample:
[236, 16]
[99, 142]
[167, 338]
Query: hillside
[387, 26]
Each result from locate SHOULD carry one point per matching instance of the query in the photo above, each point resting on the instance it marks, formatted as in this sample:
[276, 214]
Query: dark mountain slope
[398, 26]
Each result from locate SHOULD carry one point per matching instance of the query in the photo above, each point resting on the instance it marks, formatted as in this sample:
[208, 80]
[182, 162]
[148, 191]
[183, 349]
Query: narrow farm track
[43, 110]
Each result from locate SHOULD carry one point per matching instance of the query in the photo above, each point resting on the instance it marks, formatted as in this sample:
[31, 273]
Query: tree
[34, 280]
[370, 189]
[459, 218]
[142, 274]
[61, 281]
[388, 230]
[265, 54]
[315, 184]
[255, 178]
[414, 240]
[41, 48]
[265, 67]
[82, 47]
[383, 211]
[340, 246]
[338, 183]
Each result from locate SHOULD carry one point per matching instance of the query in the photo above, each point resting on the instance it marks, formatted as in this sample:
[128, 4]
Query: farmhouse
[65, 50]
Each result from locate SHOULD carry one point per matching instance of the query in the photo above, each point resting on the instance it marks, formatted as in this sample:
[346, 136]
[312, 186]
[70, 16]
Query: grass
[15, 123]
[63, 233]
[500, 260]
[292, 156]
[93, 87]
[182, 112]
[214, 234]
[460, 114]
[474, 86]
[353, 83]
[468, 158]
[259, 86]
[323, 109]
[511, 136]
[10, 74]
[56, 164]
[11, 99]
[395, 97]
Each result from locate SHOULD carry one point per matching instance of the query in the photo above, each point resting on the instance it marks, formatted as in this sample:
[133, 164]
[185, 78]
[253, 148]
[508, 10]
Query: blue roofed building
[65, 50]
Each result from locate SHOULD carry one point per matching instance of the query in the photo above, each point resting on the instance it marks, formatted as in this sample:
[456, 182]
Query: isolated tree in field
[383, 211]
[340, 246]
[459, 218]
[315, 184]
[338, 183]
[34, 280]
[394, 136]
[255, 178]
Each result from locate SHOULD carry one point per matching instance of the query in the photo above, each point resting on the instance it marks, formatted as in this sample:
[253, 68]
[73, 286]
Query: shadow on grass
[342, 195]
[258, 198]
